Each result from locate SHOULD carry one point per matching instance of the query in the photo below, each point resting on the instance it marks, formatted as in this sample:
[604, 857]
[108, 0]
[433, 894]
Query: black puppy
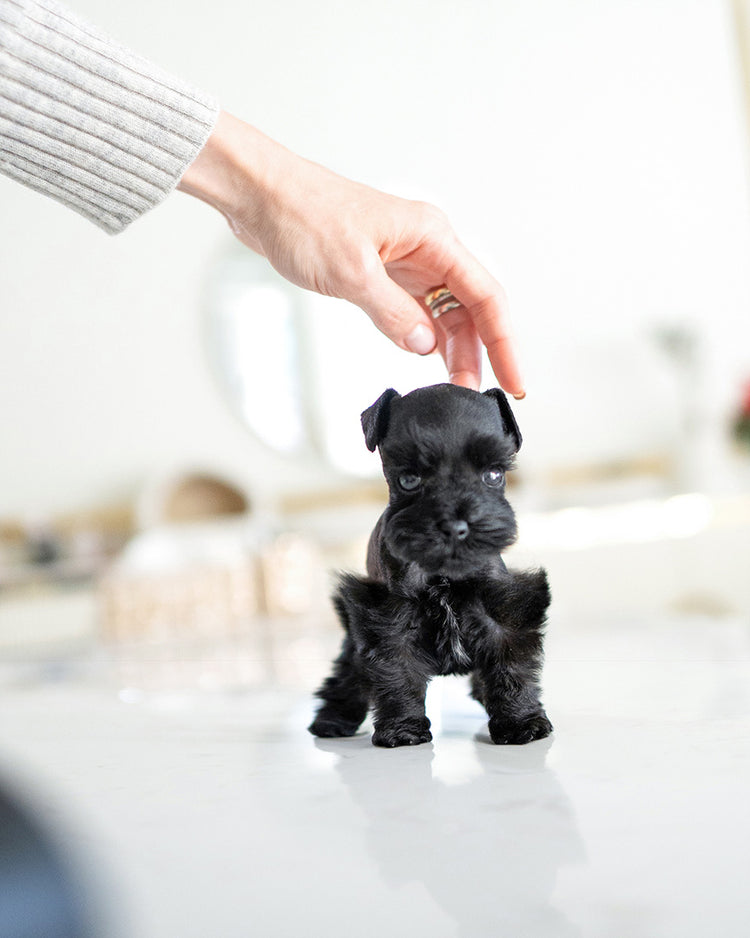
[439, 598]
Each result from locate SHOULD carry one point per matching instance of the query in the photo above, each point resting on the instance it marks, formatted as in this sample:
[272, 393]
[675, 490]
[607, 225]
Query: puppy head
[445, 451]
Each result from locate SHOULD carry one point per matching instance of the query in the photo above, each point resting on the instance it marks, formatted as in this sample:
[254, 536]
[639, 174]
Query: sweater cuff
[89, 123]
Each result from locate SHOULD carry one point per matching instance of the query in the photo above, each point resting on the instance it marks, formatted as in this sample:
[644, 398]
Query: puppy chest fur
[438, 598]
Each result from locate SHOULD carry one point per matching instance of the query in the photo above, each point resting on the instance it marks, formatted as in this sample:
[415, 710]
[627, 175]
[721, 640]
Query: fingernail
[520, 395]
[421, 340]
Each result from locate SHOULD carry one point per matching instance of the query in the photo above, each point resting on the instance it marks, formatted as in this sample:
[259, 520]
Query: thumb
[398, 315]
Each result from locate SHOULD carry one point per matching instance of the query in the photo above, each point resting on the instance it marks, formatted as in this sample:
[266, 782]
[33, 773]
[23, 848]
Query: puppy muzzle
[453, 548]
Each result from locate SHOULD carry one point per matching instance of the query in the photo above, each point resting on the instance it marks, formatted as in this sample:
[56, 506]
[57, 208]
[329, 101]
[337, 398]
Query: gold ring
[441, 300]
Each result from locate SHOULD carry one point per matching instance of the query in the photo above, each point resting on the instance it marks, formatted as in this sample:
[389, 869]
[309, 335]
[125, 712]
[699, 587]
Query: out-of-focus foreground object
[39, 892]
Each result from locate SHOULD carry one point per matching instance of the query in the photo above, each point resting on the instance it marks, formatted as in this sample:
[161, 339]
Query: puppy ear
[506, 414]
[375, 418]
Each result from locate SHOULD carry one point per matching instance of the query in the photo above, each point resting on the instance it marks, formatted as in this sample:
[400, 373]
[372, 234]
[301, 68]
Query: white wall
[594, 158]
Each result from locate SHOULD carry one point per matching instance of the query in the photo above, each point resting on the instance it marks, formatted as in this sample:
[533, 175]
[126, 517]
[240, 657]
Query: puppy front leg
[509, 658]
[507, 687]
[399, 689]
[377, 667]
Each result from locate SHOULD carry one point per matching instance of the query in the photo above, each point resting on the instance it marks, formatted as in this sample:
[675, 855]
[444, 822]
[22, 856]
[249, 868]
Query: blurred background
[181, 463]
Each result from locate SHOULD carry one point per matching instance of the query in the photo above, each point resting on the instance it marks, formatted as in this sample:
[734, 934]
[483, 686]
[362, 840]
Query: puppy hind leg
[345, 696]
[477, 688]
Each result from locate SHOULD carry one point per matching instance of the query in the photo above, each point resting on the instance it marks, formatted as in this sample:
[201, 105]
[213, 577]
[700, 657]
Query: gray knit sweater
[88, 122]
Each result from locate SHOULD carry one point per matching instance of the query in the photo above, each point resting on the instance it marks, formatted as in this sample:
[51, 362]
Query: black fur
[438, 598]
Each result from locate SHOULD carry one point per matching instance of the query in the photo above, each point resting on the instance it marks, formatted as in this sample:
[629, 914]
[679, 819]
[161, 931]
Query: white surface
[219, 815]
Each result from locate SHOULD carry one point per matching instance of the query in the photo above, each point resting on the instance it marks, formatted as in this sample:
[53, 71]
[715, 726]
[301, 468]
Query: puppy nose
[458, 530]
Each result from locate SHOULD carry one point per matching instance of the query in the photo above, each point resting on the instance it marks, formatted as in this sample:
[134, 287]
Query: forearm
[86, 121]
[265, 191]
[237, 173]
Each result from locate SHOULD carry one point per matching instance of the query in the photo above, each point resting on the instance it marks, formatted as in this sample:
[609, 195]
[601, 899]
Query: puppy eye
[409, 482]
[493, 477]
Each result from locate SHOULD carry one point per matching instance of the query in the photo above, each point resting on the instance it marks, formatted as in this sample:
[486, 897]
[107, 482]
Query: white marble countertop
[217, 814]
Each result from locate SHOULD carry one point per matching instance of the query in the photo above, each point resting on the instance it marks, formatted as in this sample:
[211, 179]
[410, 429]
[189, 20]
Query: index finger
[460, 347]
[487, 305]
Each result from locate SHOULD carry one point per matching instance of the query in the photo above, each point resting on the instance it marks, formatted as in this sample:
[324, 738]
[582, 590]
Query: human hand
[341, 238]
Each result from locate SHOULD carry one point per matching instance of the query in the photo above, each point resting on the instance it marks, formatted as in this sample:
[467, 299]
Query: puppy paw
[408, 732]
[505, 732]
[331, 727]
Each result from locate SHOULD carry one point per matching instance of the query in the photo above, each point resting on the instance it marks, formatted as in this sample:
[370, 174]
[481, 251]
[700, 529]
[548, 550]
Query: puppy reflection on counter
[438, 598]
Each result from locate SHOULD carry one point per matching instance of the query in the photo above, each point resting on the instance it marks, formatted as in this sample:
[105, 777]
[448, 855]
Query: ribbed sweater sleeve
[86, 121]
